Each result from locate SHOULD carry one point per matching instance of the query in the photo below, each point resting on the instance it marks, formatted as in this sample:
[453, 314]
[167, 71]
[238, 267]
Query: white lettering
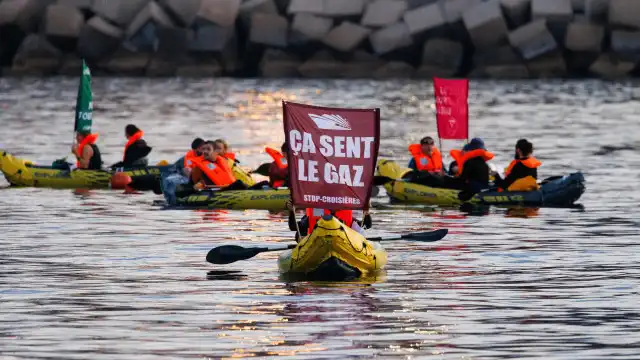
[307, 144]
[345, 175]
[325, 145]
[353, 147]
[330, 174]
[294, 141]
[313, 171]
[357, 179]
[338, 144]
[301, 174]
[368, 147]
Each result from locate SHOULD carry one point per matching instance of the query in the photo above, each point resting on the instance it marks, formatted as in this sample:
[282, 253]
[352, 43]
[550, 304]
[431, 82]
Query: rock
[515, 71]
[380, 13]
[610, 67]
[209, 69]
[441, 57]
[211, 38]
[485, 24]
[346, 36]
[219, 12]
[250, 7]
[360, 66]
[311, 26]
[306, 6]
[624, 13]
[269, 29]
[342, 8]
[516, 12]
[23, 13]
[36, 56]
[578, 5]
[160, 67]
[502, 62]
[277, 63]
[413, 4]
[173, 44]
[79, 4]
[71, 66]
[548, 66]
[321, 65]
[552, 10]
[63, 20]
[424, 19]
[533, 40]
[98, 39]
[142, 30]
[390, 38]
[453, 9]
[584, 37]
[127, 63]
[395, 70]
[120, 12]
[626, 45]
[596, 10]
[184, 10]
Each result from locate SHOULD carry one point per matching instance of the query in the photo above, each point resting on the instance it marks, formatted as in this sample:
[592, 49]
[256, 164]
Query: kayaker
[308, 221]
[222, 148]
[86, 151]
[135, 150]
[522, 173]
[472, 175]
[213, 169]
[278, 169]
[426, 156]
[185, 163]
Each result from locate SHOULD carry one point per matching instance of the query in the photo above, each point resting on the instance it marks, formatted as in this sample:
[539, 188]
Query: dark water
[102, 275]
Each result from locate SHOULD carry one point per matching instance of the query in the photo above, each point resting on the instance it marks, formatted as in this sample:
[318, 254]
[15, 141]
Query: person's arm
[517, 172]
[85, 158]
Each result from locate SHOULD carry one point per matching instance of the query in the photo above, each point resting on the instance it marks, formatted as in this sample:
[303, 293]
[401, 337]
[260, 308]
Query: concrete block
[37, 56]
[610, 67]
[211, 38]
[380, 13]
[342, 8]
[453, 9]
[120, 12]
[485, 24]
[71, 65]
[306, 6]
[578, 6]
[533, 40]
[503, 55]
[424, 18]
[514, 71]
[173, 44]
[22, 13]
[516, 12]
[98, 39]
[142, 30]
[346, 36]
[390, 38]
[548, 66]
[311, 26]
[250, 7]
[63, 20]
[443, 54]
[414, 4]
[160, 67]
[552, 10]
[127, 63]
[80, 4]
[210, 69]
[184, 10]
[269, 29]
[624, 13]
[626, 45]
[278, 64]
[395, 70]
[584, 37]
[360, 66]
[321, 65]
[596, 10]
[219, 12]
[282, 5]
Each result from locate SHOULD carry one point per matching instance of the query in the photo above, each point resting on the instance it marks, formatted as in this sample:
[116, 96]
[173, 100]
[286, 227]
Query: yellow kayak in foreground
[333, 251]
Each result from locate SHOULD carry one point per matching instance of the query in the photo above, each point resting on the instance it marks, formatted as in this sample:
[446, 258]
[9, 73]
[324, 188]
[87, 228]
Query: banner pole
[296, 221]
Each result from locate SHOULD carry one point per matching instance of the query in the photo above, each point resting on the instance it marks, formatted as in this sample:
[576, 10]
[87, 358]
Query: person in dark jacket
[136, 149]
[473, 171]
[86, 151]
[522, 173]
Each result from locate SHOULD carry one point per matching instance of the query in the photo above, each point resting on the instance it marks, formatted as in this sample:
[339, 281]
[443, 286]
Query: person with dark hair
[522, 173]
[135, 150]
[86, 151]
[279, 168]
[211, 169]
[425, 156]
[472, 169]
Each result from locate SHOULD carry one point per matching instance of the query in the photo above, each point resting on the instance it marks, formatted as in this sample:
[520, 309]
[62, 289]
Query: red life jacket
[89, 139]
[188, 159]
[135, 137]
[426, 162]
[346, 216]
[231, 156]
[461, 158]
[218, 172]
[281, 162]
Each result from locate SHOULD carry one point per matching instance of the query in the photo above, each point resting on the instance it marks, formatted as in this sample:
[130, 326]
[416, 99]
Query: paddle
[262, 169]
[227, 254]
[380, 180]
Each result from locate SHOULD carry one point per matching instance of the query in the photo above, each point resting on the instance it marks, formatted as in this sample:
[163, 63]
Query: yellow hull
[333, 250]
[237, 199]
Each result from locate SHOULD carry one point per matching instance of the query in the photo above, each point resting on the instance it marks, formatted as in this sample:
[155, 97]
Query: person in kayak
[472, 175]
[425, 156]
[278, 169]
[135, 150]
[308, 221]
[213, 169]
[222, 147]
[185, 163]
[522, 173]
[86, 151]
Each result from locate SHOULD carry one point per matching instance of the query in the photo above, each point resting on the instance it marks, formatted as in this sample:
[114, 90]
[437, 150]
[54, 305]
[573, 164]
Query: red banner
[332, 155]
[452, 108]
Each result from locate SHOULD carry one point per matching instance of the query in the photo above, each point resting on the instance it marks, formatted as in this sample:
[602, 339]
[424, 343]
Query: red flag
[332, 155]
[452, 108]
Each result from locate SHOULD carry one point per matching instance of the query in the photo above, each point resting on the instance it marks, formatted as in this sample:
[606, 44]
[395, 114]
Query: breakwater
[322, 38]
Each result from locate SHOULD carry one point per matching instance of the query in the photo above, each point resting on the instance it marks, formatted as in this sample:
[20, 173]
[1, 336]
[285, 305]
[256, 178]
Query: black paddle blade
[427, 236]
[228, 254]
[380, 180]
[262, 169]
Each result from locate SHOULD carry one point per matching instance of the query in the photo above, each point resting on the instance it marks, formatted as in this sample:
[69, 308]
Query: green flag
[84, 102]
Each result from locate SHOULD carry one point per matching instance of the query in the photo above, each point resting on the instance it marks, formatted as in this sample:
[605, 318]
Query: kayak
[333, 251]
[270, 199]
[20, 172]
[553, 192]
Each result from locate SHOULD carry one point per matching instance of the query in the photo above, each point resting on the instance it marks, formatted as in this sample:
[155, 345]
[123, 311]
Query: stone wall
[322, 38]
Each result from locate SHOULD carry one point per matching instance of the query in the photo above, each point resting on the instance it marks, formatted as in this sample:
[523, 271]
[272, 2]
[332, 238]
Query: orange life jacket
[281, 162]
[89, 139]
[135, 137]
[230, 156]
[426, 162]
[188, 159]
[346, 216]
[461, 158]
[218, 171]
[529, 162]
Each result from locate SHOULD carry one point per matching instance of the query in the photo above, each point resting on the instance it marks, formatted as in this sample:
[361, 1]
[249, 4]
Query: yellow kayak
[333, 251]
[236, 199]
